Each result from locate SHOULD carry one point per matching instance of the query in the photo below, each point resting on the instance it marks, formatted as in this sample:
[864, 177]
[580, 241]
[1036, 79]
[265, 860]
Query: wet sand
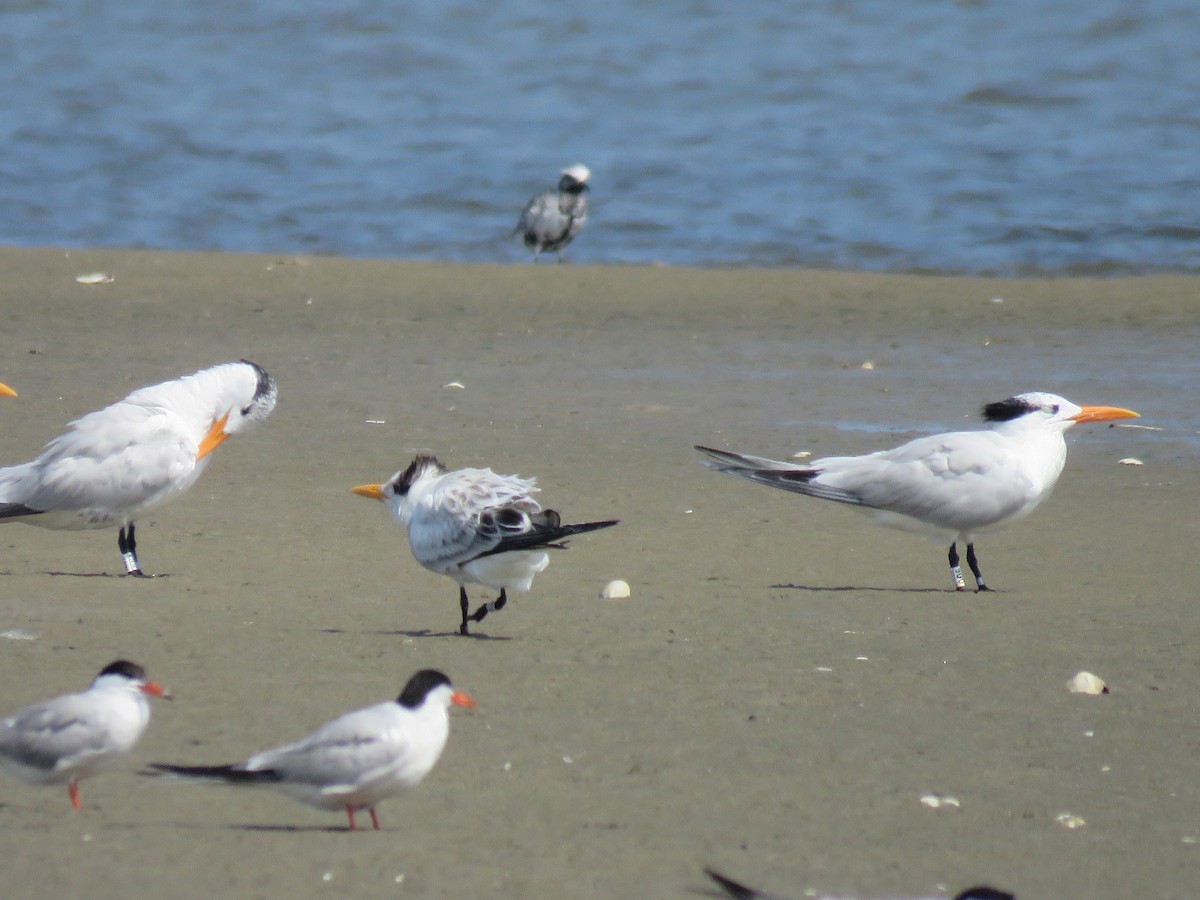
[783, 687]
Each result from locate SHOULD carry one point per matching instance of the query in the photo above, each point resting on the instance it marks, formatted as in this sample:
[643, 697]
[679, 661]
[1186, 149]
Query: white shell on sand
[937, 801]
[1070, 820]
[1130, 461]
[615, 590]
[95, 278]
[1087, 683]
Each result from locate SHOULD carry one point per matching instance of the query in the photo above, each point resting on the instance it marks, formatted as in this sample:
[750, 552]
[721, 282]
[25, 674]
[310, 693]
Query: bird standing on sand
[553, 218]
[72, 737]
[950, 485]
[356, 761]
[115, 464]
[475, 526]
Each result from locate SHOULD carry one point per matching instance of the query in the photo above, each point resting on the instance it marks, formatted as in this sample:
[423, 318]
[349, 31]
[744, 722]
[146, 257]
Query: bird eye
[1054, 409]
[246, 410]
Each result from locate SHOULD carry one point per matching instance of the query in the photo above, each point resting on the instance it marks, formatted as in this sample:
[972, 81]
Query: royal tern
[553, 218]
[952, 485]
[72, 737]
[355, 761]
[119, 462]
[475, 526]
[739, 891]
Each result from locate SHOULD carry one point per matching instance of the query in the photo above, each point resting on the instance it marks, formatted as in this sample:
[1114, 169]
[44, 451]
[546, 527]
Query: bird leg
[350, 816]
[955, 568]
[128, 547]
[494, 606]
[464, 602]
[974, 564]
[375, 820]
[73, 790]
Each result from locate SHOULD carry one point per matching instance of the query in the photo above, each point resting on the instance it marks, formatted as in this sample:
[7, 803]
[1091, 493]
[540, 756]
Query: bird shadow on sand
[297, 829]
[847, 588]
[426, 633]
[108, 575]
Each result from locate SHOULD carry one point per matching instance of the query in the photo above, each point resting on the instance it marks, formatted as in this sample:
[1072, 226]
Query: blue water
[1011, 137]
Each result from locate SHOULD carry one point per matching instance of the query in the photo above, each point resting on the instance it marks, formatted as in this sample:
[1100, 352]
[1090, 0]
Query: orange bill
[458, 698]
[154, 689]
[6, 391]
[216, 435]
[370, 491]
[1103, 414]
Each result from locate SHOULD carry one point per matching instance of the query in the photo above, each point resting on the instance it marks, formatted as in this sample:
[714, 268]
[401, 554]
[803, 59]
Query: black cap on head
[419, 686]
[130, 670]
[1007, 410]
[418, 468]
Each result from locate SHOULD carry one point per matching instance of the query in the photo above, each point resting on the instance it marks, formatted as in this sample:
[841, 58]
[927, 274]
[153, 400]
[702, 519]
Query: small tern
[355, 761]
[475, 526]
[553, 218]
[115, 464]
[950, 485]
[72, 737]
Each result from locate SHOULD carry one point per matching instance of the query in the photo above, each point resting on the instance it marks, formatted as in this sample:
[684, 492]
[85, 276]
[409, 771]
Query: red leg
[73, 790]
[375, 820]
[350, 815]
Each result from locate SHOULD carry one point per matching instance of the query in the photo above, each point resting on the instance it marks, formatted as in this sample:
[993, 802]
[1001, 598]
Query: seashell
[1087, 683]
[615, 590]
[95, 278]
[1070, 821]
[802, 454]
[937, 801]
[868, 366]
[455, 384]
[1130, 461]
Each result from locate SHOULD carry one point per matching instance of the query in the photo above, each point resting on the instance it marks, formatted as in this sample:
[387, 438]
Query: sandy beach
[787, 680]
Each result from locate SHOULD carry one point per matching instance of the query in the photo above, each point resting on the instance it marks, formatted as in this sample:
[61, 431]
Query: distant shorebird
[948, 485]
[115, 464]
[475, 526]
[72, 737]
[553, 218]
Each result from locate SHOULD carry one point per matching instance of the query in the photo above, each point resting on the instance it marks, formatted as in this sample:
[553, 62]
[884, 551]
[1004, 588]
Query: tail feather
[229, 774]
[546, 535]
[776, 474]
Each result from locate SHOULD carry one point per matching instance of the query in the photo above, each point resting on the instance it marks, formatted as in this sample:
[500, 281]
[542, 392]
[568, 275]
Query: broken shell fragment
[1130, 461]
[95, 278]
[1070, 821]
[615, 590]
[937, 801]
[1087, 683]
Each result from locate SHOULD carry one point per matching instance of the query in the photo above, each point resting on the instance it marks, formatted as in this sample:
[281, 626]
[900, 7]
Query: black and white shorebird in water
[475, 526]
[740, 891]
[69, 738]
[356, 761]
[118, 463]
[952, 486]
[553, 218]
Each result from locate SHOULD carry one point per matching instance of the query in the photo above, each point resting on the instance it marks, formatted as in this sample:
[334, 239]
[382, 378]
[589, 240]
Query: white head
[123, 675]
[394, 492]
[1041, 409]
